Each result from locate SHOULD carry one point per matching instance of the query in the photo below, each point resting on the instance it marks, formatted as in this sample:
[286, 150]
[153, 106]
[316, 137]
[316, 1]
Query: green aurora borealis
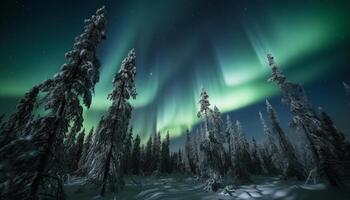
[181, 46]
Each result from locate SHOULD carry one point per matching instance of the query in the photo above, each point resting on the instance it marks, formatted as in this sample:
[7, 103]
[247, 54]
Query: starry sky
[182, 46]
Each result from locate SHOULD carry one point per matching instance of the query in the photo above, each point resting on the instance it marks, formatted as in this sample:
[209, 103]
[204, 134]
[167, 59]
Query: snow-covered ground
[180, 188]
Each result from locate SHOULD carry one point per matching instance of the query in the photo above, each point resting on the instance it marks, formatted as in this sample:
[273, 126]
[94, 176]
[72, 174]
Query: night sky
[184, 45]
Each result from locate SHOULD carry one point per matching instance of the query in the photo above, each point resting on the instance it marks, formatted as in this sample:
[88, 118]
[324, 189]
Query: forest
[44, 147]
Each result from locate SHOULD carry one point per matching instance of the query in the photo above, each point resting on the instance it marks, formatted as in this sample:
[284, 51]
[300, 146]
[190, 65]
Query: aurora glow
[181, 46]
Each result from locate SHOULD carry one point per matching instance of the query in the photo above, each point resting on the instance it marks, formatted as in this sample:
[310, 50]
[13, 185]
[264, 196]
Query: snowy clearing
[181, 188]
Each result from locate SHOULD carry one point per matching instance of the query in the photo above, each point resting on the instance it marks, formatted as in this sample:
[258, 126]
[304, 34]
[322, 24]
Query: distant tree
[62, 99]
[69, 151]
[127, 151]
[106, 166]
[216, 138]
[229, 131]
[156, 148]
[306, 119]
[142, 158]
[180, 161]
[269, 152]
[218, 126]
[242, 158]
[256, 162]
[165, 155]
[204, 109]
[78, 152]
[86, 148]
[189, 158]
[135, 163]
[195, 143]
[293, 166]
[148, 156]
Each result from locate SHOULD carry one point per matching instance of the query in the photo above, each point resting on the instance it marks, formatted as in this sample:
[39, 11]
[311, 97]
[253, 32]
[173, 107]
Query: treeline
[153, 158]
[216, 151]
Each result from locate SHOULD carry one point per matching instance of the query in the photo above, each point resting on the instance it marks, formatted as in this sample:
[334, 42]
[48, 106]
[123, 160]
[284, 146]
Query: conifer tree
[156, 148]
[107, 168]
[142, 158]
[86, 148]
[218, 126]
[293, 166]
[217, 139]
[204, 109]
[306, 119]
[269, 152]
[165, 155]
[148, 156]
[127, 151]
[136, 156]
[256, 163]
[242, 159]
[69, 151]
[189, 159]
[62, 102]
[78, 152]
[229, 131]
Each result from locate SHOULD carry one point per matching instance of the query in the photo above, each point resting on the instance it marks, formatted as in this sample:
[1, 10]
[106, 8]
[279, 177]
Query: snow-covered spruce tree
[14, 127]
[293, 167]
[205, 144]
[86, 147]
[269, 152]
[242, 159]
[306, 119]
[204, 110]
[196, 149]
[148, 156]
[218, 126]
[229, 131]
[180, 161]
[78, 150]
[106, 167]
[217, 139]
[256, 162]
[165, 155]
[189, 154]
[62, 102]
[135, 161]
[156, 148]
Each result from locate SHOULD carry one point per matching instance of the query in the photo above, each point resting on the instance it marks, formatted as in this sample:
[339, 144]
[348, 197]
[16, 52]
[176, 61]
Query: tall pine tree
[63, 96]
[106, 168]
[293, 166]
[306, 119]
